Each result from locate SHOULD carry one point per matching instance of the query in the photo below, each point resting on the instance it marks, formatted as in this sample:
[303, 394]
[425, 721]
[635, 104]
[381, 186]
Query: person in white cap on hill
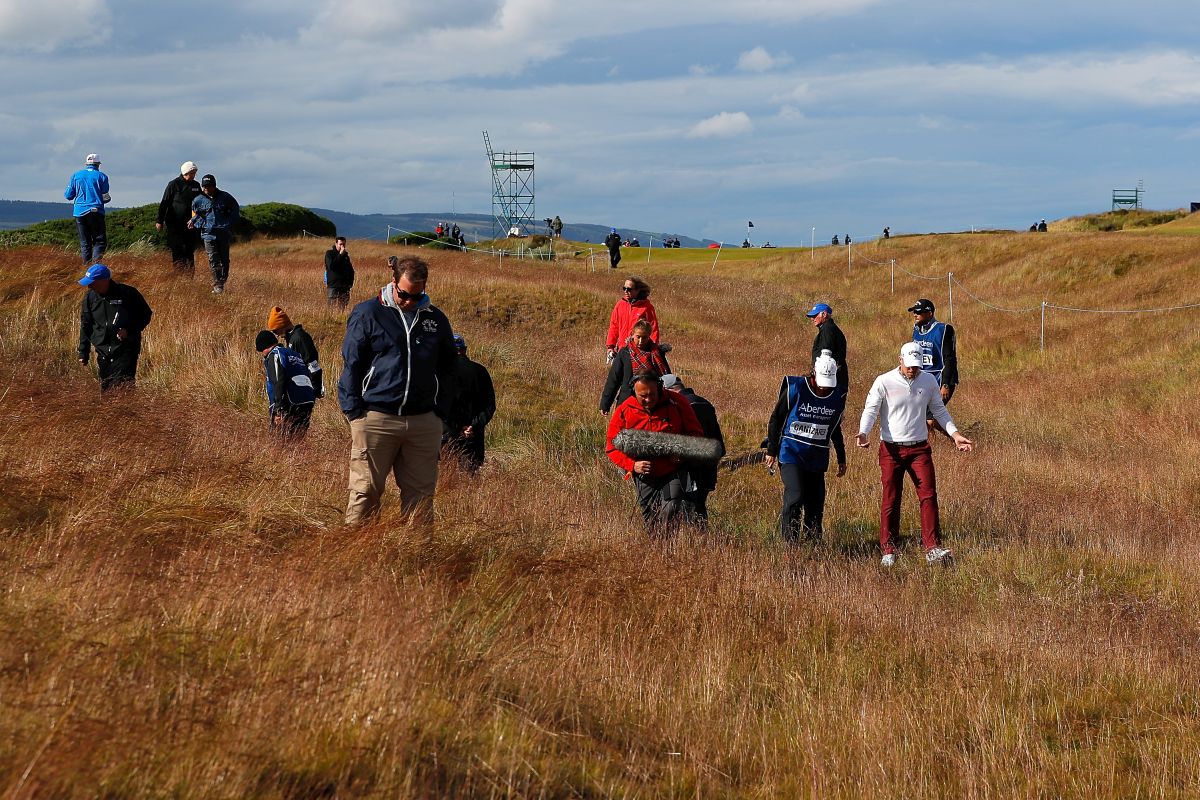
[174, 211]
[900, 399]
[88, 188]
[806, 420]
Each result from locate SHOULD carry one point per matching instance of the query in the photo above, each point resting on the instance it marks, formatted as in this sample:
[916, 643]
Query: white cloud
[722, 125]
[759, 60]
[45, 25]
[700, 70]
[615, 71]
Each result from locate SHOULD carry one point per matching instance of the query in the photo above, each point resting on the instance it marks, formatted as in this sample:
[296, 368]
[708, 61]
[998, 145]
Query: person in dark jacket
[473, 407]
[939, 352]
[174, 211]
[829, 337]
[339, 274]
[298, 340]
[613, 243]
[289, 388]
[396, 386]
[214, 213]
[88, 188]
[701, 480]
[111, 320]
[640, 355]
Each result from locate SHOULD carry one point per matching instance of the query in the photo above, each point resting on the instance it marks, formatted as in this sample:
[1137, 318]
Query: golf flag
[749, 224]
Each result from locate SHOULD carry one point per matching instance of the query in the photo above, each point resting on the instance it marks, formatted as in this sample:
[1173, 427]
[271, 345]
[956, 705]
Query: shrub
[413, 238]
[285, 219]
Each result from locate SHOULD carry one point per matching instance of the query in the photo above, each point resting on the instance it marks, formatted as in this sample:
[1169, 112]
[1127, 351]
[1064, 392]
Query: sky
[679, 117]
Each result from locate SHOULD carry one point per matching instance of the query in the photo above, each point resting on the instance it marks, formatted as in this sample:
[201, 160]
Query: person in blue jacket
[289, 387]
[89, 189]
[807, 419]
[396, 387]
[214, 214]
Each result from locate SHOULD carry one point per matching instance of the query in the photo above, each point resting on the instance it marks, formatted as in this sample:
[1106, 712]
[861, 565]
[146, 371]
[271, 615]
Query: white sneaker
[935, 554]
[888, 560]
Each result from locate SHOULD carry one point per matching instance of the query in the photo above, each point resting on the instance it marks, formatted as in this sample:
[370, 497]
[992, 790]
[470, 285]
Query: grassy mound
[1120, 220]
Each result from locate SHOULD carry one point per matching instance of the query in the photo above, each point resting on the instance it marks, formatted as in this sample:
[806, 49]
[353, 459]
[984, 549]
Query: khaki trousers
[408, 447]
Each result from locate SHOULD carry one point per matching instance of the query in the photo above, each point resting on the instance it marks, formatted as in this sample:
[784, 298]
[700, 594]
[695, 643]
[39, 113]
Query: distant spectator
[835, 241]
[174, 211]
[613, 243]
[298, 340]
[111, 320]
[339, 274]
[88, 188]
[768, 244]
[472, 409]
[640, 356]
[1033, 228]
[634, 305]
[214, 214]
[746, 243]
[1042, 227]
[514, 232]
[556, 227]
[887, 232]
[847, 239]
[290, 393]
[634, 242]
[439, 230]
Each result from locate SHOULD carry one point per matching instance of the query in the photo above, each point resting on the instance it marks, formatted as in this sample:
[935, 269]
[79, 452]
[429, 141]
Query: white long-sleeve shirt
[900, 405]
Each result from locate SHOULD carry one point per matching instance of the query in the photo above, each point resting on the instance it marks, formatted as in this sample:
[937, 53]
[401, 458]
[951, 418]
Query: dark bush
[414, 238]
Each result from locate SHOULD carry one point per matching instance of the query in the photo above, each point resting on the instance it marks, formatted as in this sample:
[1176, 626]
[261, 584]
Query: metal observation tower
[512, 190]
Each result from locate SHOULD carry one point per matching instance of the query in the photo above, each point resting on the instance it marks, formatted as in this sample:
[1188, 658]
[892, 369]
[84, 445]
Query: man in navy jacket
[396, 387]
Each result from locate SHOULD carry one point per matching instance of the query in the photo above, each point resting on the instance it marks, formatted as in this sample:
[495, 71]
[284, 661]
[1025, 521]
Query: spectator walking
[806, 420]
[613, 243]
[339, 274]
[214, 213]
[472, 409]
[659, 481]
[290, 392]
[900, 400]
[556, 226]
[111, 320]
[939, 350]
[634, 305]
[887, 232]
[829, 337]
[835, 241]
[174, 211]
[640, 356]
[88, 188]
[700, 479]
[299, 342]
[396, 386]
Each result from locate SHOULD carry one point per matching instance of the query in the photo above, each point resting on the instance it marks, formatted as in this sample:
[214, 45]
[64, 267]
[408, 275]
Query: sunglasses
[628, 289]
[405, 296]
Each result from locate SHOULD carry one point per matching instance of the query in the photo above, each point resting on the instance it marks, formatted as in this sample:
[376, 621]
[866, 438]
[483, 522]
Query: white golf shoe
[936, 555]
[888, 560]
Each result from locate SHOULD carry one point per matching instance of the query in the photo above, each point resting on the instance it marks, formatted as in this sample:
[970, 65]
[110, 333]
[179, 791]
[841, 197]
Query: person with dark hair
[174, 211]
[1042, 227]
[939, 351]
[111, 320]
[339, 274]
[397, 383]
[556, 226]
[613, 243]
[472, 409]
[887, 232]
[806, 420]
[299, 342]
[700, 480]
[835, 241]
[290, 392]
[88, 188]
[634, 305]
[829, 337]
[214, 213]
[659, 481]
[640, 356]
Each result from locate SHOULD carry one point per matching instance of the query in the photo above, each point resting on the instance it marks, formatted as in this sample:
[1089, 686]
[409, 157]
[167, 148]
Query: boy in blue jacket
[289, 387]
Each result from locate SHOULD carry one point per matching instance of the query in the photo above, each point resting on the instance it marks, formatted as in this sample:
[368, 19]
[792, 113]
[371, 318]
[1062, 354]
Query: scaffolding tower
[512, 190]
[1128, 198]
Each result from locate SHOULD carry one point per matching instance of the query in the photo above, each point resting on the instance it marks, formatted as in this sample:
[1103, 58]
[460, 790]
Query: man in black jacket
[339, 274]
[174, 211]
[700, 479]
[613, 243]
[395, 389]
[829, 337]
[473, 408]
[111, 320]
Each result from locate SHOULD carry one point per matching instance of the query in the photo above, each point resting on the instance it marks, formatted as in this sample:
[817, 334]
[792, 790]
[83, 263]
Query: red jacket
[624, 314]
[673, 414]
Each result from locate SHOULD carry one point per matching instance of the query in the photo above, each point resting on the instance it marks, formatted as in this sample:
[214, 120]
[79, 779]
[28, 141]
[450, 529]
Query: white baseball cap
[93, 158]
[825, 369]
[910, 355]
[188, 166]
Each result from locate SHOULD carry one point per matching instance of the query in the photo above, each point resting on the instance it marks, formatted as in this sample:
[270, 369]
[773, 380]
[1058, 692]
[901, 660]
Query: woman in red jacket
[634, 305]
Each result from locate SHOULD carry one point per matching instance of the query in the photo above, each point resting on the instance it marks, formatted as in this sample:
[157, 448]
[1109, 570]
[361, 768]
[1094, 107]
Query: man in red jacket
[659, 481]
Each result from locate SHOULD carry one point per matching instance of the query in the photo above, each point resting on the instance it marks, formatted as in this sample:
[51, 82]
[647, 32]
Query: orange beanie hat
[278, 320]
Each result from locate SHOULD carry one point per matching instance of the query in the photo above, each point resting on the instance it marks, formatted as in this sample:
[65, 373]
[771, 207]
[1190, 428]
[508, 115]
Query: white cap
[825, 369]
[93, 158]
[910, 355]
[671, 381]
[188, 166]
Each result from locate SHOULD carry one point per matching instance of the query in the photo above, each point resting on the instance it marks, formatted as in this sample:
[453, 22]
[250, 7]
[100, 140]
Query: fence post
[592, 258]
[950, 289]
[893, 276]
[501, 259]
[847, 259]
[648, 249]
[1042, 340]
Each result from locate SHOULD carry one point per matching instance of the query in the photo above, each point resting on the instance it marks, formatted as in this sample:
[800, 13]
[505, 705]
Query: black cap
[263, 340]
[921, 306]
[208, 180]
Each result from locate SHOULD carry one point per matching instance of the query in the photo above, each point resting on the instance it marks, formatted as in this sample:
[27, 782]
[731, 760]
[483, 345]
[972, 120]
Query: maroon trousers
[917, 460]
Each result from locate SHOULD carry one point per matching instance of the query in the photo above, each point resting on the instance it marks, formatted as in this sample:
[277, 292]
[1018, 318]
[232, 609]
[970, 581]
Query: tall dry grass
[182, 614]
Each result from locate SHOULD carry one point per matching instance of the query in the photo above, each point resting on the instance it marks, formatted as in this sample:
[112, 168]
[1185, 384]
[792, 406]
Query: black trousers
[803, 493]
[468, 450]
[695, 506]
[182, 242]
[337, 297]
[614, 258]
[661, 501]
[292, 425]
[118, 369]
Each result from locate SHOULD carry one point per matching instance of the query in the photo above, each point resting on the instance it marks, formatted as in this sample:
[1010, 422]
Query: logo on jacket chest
[429, 325]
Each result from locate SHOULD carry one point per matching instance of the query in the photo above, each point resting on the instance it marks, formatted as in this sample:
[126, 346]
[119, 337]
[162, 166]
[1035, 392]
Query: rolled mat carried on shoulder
[643, 445]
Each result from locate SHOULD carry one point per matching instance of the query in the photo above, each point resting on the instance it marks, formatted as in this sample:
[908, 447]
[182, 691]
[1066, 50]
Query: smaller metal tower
[512, 190]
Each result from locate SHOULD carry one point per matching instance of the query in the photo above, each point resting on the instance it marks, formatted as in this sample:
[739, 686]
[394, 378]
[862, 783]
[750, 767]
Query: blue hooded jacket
[215, 216]
[89, 189]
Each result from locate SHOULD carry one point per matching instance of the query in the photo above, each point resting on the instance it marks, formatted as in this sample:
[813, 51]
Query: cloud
[723, 125]
[700, 70]
[759, 60]
[46, 25]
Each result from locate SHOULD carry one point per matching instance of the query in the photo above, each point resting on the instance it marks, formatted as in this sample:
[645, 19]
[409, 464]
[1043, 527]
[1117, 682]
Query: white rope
[983, 302]
[1123, 310]
[922, 277]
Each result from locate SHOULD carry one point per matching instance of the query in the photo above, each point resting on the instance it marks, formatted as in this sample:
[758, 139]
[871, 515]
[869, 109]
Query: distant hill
[20, 213]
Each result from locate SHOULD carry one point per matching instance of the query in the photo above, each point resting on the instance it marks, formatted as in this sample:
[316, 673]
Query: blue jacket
[803, 425]
[288, 383]
[395, 366]
[89, 189]
[215, 216]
